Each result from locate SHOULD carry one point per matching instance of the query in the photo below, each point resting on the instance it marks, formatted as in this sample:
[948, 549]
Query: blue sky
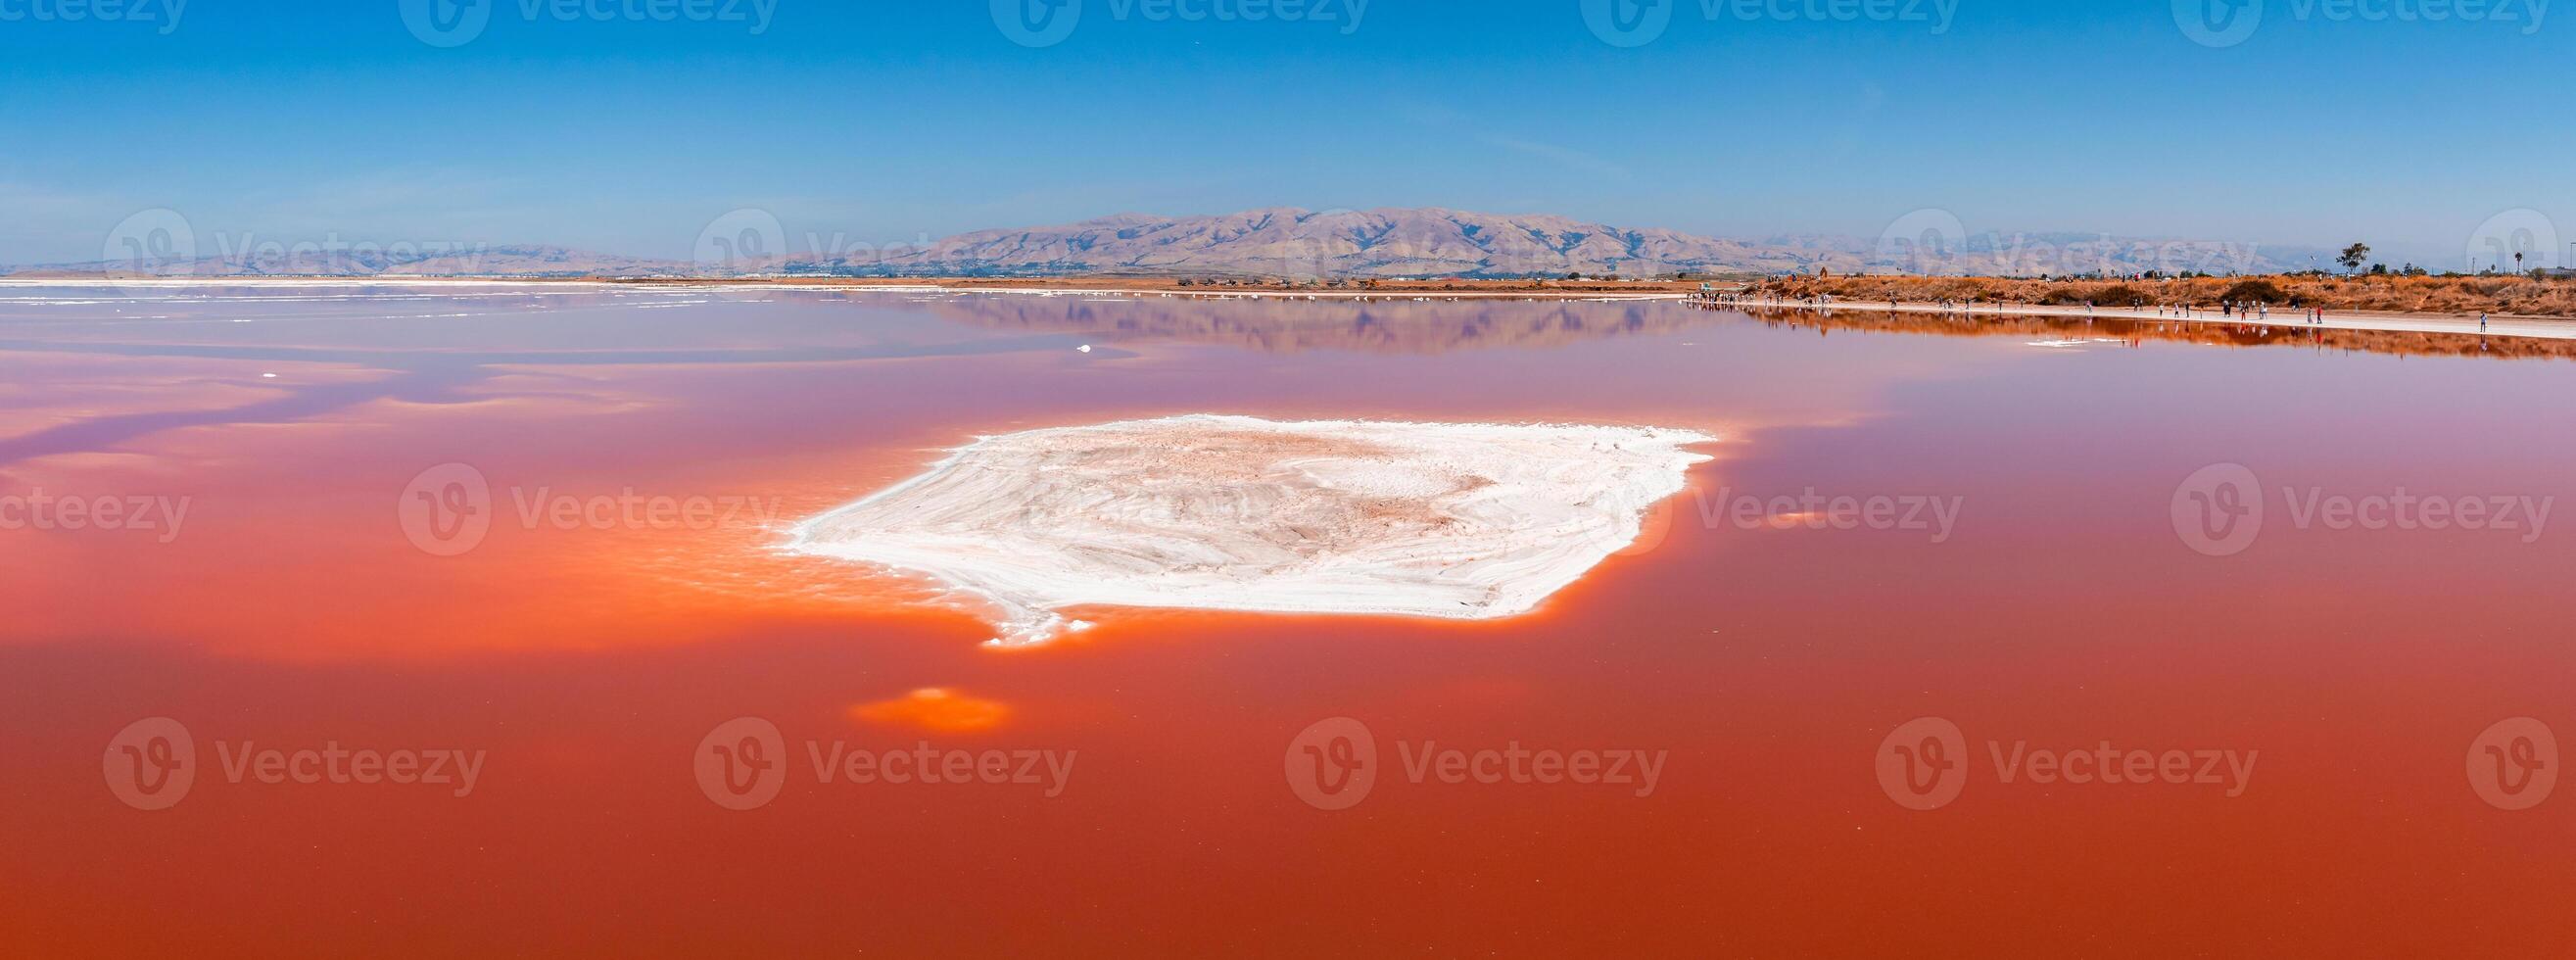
[629, 125]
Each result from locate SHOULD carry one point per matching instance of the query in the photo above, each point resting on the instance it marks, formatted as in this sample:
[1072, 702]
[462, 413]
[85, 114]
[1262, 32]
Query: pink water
[1764, 656]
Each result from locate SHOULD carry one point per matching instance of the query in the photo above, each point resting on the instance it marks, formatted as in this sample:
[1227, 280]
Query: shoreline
[2500, 325]
[2537, 328]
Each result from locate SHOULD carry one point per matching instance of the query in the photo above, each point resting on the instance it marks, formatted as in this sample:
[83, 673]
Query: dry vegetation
[2501, 295]
[2404, 343]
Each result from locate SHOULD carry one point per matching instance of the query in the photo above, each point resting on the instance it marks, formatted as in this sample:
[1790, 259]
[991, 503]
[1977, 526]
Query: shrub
[2123, 295]
[2259, 291]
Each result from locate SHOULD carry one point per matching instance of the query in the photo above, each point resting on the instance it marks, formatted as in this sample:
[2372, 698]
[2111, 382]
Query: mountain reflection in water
[1280, 325]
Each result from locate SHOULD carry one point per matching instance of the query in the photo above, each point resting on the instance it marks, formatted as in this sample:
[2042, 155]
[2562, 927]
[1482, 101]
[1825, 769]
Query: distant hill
[1289, 242]
[368, 261]
[1371, 243]
[1433, 242]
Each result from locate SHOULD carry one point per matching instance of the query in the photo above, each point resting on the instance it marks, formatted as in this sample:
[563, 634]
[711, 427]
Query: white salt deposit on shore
[1455, 520]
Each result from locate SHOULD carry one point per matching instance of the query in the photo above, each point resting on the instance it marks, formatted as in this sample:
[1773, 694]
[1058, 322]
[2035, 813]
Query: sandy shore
[1461, 521]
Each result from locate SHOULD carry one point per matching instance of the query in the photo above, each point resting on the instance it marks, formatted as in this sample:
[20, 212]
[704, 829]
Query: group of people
[2261, 311]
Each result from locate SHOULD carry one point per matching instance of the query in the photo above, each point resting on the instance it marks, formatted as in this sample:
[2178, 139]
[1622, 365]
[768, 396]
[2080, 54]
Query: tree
[2354, 256]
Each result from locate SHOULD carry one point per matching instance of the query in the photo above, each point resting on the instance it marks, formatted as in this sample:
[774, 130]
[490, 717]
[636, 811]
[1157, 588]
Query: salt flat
[1451, 520]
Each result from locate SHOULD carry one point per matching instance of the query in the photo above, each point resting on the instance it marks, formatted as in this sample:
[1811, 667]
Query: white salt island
[1453, 520]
